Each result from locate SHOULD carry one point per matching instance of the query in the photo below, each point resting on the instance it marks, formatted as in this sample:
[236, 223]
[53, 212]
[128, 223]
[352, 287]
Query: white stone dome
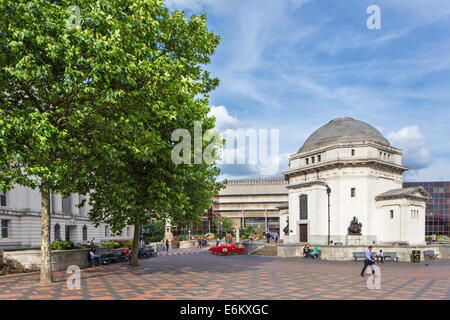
[343, 130]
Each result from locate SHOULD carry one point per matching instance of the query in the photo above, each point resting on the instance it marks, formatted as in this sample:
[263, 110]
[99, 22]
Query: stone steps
[266, 251]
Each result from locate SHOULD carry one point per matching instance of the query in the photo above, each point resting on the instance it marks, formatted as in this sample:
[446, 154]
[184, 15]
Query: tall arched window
[85, 236]
[57, 232]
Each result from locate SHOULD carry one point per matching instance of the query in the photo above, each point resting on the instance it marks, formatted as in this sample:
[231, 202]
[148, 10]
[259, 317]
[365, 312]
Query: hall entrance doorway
[304, 232]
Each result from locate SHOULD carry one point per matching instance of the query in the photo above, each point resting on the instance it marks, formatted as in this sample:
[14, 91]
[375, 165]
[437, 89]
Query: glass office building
[437, 212]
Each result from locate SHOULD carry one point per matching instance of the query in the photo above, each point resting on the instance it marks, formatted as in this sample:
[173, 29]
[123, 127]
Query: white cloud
[416, 154]
[299, 3]
[223, 119]
[437, 171]
[184, 4]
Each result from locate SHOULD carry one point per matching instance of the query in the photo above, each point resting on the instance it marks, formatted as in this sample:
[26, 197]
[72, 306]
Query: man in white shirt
[368, 261]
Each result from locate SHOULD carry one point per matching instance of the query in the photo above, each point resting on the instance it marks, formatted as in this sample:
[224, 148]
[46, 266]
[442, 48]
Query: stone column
[57, 203]
[168, 232]
[74, 200]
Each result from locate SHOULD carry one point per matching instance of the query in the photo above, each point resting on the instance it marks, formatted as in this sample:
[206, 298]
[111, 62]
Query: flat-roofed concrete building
[253, 202]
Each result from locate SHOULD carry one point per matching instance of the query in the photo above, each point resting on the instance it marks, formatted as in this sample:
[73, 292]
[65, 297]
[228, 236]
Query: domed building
[345, 186]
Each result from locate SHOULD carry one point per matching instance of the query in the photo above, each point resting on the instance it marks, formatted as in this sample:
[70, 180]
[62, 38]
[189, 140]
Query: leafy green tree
[44, 99]
[227, 225]
[151, 69]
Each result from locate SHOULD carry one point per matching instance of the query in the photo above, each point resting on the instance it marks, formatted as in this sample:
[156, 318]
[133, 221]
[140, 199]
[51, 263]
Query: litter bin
[415, 256]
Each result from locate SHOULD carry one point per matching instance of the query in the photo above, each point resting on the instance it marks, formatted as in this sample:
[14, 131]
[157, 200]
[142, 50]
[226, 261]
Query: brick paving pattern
[193, 274]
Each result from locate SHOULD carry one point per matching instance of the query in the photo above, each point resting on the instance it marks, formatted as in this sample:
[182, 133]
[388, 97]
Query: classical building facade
[345, 185]
[20, 215]
[252, 202]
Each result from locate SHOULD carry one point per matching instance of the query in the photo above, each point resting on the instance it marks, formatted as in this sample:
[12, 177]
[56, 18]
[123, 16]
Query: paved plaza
[196, 274]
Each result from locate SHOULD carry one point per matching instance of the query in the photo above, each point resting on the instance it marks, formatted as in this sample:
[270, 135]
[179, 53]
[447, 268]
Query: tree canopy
[91, 107]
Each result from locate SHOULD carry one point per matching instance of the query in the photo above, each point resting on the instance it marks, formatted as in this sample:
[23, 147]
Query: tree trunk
[134, 262]
[46, 252]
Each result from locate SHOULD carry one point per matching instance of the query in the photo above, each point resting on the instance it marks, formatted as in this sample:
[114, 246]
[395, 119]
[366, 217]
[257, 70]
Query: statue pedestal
[354, 240]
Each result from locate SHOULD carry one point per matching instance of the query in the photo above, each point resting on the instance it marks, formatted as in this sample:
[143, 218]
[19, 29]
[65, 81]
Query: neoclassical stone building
[20, 215]
[347, 169]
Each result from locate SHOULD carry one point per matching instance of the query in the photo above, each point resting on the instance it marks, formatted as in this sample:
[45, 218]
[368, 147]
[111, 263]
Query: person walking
[167, 245]
[200, 243]
[368, 261]
[276, 237]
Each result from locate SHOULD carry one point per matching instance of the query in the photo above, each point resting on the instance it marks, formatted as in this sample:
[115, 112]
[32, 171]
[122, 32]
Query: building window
[319, 158]
[3, 198]
[303, 207]
[381, 154]
[85, 233]
[5, 228]
[353, 152]
[57, 232]
[391, 213]
[353, 192]
[312, 159]
[307, 161]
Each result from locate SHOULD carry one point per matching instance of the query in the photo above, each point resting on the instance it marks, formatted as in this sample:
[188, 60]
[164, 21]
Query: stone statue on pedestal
[286, 229]
[355, 227]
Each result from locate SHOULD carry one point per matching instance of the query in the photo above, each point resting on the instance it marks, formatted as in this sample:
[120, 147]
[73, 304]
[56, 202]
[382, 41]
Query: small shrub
[62, 245]
[175, 240]
[209, 235]
[111, 244]
[156, 238]
[20, 267]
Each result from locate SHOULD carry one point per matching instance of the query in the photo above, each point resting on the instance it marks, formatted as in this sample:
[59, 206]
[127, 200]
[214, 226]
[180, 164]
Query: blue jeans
[99, 260]
[313, 255]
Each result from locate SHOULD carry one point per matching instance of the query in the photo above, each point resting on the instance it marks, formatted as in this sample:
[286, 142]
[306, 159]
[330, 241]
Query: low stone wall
[159, 246]
[345, 253]
[250, 246]
[61, 259]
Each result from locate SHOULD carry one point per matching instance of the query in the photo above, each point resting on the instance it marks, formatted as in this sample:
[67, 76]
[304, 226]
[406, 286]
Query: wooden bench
[429, 254]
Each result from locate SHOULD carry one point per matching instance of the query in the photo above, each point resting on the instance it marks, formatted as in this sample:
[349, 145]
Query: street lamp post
[328, 193]
[221, 235]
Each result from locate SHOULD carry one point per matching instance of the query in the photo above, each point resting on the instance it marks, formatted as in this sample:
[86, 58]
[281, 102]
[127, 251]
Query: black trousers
[367, 263]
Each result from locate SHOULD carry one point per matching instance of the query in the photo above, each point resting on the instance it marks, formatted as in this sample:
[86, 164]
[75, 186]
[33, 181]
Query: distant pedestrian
[368, 261]
[276, 237]
[433, 238]
[380, 255]
[217, 242]
[268, 237]
[200, 243]
[167, 245]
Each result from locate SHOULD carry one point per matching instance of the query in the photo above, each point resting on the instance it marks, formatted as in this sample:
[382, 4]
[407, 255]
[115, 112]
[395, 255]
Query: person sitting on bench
[380, 255]
[305, 251]
[95, 258]
[314, 252]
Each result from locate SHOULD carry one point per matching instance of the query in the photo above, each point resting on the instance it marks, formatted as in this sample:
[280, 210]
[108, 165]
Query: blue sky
[294, 65]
